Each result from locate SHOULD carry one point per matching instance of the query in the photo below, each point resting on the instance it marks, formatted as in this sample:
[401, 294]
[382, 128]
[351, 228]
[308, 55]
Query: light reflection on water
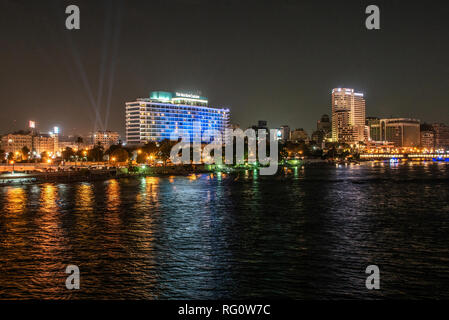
[302, 234]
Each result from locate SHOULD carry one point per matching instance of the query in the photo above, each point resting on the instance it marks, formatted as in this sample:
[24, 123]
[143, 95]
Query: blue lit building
[157, 117]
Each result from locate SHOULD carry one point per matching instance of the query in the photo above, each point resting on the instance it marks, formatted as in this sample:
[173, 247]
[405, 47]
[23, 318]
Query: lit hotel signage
[187, 95]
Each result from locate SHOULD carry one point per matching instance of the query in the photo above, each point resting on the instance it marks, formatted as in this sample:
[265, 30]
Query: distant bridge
[409, 156]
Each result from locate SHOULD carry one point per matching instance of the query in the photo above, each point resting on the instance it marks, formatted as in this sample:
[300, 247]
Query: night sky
[265, 60]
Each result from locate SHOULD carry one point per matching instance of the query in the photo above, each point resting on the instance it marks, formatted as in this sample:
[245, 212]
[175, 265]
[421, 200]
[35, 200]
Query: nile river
[305, 234]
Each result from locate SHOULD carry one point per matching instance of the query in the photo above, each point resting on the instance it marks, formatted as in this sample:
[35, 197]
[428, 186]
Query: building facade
[44, 143]
[427, 139]
[298, 135]
[12, 143]
[373, 124]
[403, 132]
[167, 113]
[324, 124]
[441, 135]
[285, 133]
[348, 116]
[106, 138]
[36, 143]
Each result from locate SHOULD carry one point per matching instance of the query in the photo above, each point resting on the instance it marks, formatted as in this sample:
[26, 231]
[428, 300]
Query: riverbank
[80, 175]
[93, 174]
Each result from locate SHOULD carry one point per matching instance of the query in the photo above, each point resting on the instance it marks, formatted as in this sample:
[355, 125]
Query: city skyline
[283, 77]
[219, 159]
[362, 115]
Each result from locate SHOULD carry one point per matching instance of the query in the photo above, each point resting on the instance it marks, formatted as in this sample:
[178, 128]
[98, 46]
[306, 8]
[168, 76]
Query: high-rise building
[164, 113]
[373, 123]
[427, 139]
[285, 132]
[298, 135]
[324, 124]
[106, 138]
[262, 124]
[403, 132]
[441, 135]
[348, 116]
[318, 136]
[323, 130]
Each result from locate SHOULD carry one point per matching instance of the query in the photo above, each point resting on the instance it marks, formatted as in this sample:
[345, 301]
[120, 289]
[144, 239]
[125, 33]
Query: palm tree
[25, 152]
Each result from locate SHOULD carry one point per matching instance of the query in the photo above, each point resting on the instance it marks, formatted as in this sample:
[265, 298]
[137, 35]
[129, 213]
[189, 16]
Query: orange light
[11, 162]
[113, 159]
[49, 161]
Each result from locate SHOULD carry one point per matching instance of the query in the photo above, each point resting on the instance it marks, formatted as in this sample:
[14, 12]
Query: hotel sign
[187, 95]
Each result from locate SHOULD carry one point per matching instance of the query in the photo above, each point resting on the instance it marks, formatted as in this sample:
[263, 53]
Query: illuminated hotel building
[164, 113]
[403, 132]
[348, 116]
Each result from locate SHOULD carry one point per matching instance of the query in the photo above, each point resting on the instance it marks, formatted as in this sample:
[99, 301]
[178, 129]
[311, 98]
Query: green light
[161, 95]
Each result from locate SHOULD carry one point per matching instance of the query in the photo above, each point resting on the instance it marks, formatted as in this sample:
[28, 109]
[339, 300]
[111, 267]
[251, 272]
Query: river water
[305, 234]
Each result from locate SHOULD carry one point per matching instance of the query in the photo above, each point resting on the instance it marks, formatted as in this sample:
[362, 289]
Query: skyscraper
[285, 132]
[348, 116]
[324, 124]
[164, 113]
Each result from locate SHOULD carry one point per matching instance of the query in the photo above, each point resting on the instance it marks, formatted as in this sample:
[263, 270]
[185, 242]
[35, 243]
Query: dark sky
[270, 60]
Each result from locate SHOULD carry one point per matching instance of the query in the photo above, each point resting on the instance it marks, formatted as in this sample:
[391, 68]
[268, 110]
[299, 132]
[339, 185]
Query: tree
[67, 154]
[25, 152]
[112, 148]
[2, 156]
[44, 155]
[150, 148]
[79, 141]
[165, 149]
[96, 153]
[120, 155]
[283, 152]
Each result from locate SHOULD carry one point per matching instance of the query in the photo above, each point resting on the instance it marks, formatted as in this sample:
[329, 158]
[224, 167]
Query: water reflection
[302, 234]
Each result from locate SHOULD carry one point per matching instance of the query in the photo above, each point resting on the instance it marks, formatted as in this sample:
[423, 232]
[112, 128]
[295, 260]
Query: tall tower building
[164, 113]
[348, 116]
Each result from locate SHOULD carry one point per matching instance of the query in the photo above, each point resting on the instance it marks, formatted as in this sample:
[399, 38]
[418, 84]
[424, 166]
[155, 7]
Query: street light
[12, 162]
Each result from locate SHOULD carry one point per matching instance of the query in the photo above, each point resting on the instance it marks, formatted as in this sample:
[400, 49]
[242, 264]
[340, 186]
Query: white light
[186, 95]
